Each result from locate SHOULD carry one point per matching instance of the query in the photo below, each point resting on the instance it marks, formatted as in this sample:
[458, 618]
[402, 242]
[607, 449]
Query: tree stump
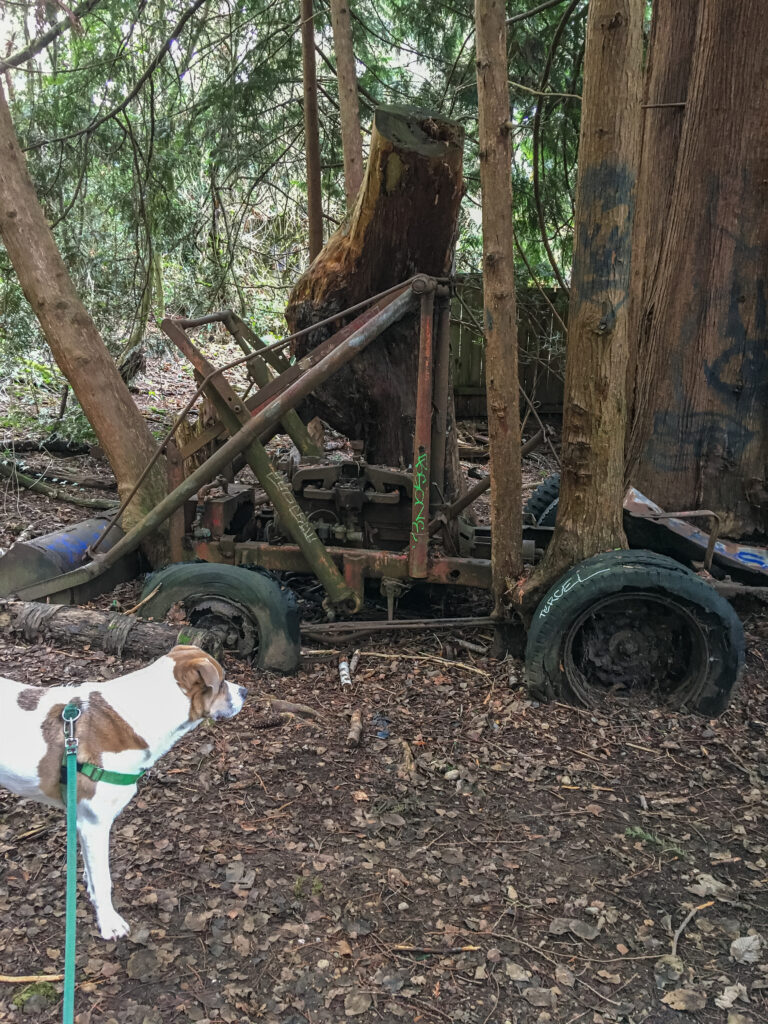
[404, 222]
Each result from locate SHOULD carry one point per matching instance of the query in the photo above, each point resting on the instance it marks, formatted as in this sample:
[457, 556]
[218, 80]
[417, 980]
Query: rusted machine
[640, 618]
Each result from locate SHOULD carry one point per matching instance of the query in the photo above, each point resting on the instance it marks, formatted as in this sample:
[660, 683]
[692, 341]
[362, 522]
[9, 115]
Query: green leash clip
[70, 714]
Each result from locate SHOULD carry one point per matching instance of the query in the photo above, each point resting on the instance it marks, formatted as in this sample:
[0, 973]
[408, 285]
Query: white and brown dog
[126, 725]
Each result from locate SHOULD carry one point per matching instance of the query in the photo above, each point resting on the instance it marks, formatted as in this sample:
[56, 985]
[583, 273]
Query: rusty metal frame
[234, 415]
[274, 400]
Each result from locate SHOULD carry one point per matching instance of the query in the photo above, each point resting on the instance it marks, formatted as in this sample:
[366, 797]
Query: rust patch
[99, 730]
[29, 699]
[200, 677]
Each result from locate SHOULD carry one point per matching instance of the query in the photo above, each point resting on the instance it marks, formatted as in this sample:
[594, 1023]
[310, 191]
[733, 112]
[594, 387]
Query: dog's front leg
[94, 842]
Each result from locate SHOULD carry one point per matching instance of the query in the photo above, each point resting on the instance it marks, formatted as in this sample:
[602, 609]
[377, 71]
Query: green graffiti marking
[420, 471]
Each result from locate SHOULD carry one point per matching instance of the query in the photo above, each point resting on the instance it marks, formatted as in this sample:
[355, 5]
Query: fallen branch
[435, 950]
[355, 728]
[66, 476]
[282, 706]
[29, 979]
[345, 675]
[427, 657]
[9, 471]
[686, 921]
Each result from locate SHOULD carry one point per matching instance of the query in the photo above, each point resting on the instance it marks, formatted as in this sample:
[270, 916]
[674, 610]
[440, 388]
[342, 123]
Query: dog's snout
[243, 692]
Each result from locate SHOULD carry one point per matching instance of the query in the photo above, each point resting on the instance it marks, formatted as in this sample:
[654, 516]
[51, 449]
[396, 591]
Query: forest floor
[480, 858]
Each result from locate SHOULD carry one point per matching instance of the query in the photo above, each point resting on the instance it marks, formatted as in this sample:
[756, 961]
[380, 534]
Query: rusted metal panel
[745, 559]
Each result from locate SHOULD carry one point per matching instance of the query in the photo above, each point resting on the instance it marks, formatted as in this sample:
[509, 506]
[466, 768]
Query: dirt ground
[479, 858]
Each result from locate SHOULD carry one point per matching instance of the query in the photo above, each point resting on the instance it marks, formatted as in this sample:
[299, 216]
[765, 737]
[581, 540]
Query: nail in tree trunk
[699, 433]
[589, 517]
[351, 138]
[311, 131]
[73, 337]
[501, 379]
[403, 223]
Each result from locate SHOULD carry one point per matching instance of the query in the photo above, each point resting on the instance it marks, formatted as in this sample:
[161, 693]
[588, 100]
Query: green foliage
[43, 989]
[173, 160]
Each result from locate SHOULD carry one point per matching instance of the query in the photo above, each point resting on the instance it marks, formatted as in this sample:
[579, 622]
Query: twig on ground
[686, 921]
[405, 656]
[29, 979]
[408, 766]
[355, 728]
[279, 706]
[143, 601]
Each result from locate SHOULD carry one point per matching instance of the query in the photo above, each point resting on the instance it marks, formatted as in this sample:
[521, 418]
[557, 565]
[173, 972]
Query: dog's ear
[194, 669]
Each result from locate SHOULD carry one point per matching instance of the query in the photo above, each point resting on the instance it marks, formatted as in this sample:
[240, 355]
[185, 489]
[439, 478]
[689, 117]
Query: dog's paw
[112, 926]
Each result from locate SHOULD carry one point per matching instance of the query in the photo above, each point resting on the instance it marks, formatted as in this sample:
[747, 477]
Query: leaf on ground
[356, 1003]
[196, 922]
[564, 976]
[516, 973]
[746, 949]
[142, 964]
[707, 885]
[688, 1000]
[540, 996]
[730, 994]
[583, 930]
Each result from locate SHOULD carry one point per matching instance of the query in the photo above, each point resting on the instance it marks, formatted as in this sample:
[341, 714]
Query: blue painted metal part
[43, 558]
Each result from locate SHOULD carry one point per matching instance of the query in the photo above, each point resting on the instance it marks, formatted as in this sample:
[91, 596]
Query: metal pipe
[234, 415]
[291, 422]
[418, 549]
[261, 421]
[372, 303]
[441, 395]
[474, 493]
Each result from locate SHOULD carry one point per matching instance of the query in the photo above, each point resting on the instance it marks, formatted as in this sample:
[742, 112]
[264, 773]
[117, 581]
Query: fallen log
[121, 635]
[8, 470]
[56, 475]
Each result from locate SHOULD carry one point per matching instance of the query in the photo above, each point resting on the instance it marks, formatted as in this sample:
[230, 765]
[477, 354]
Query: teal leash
[70, 714]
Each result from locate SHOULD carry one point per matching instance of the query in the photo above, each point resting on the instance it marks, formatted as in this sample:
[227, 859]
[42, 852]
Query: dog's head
[201, 678]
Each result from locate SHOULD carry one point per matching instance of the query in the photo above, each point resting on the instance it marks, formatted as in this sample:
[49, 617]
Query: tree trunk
[699, 436]
[589, 517]
[351, 139]
[311, 131]
[404, 222]
[501, 380]
[72, 335]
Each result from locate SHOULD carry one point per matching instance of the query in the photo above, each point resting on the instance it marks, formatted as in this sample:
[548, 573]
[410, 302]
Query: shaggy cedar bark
[73, 337]
[311, 130]
[351, 138]
[589, 518]
[699, 436]
[403, 223]
[501, 380]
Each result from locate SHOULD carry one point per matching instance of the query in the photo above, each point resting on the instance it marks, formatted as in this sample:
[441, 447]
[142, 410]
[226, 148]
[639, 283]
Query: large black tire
[542, 504]
[639, 622]
[262, 614]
